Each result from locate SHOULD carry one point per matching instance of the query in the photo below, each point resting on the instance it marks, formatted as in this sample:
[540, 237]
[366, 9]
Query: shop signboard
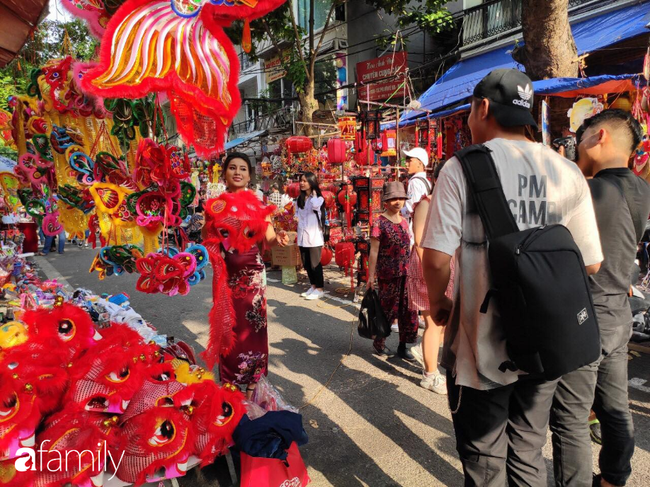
[273, 67]
[377, 69]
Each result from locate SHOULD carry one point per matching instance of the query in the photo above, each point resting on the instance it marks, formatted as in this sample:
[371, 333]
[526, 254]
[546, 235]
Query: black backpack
[540, 285]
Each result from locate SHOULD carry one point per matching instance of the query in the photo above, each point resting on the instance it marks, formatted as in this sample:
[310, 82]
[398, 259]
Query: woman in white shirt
[311, 216]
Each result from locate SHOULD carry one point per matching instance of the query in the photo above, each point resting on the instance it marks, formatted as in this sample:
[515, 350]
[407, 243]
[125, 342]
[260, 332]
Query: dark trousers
[393, 295]
[602, 384]
[500, 432]
[315, 274]
[50, 240]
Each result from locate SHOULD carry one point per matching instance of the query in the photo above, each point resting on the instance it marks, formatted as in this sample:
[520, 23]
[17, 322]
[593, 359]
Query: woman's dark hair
[312, 180]
[238, 155]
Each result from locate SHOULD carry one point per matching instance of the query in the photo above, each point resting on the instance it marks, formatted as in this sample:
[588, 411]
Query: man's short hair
[275, 186]
[622, 124]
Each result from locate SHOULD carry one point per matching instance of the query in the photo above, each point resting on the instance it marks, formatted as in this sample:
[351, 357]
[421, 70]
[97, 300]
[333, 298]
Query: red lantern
[325, 256]
[344, 254]
[336, 151]
[347, 196]
[299, 143]
[293, 190]
[328, 196]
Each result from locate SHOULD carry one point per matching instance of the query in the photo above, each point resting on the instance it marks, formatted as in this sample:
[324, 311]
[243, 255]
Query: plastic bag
[271, 472]
[289, 275]
[372, 320]
[269, 398]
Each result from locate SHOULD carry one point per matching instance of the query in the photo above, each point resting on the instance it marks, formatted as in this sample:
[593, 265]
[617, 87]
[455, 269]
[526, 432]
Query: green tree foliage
[48, 42]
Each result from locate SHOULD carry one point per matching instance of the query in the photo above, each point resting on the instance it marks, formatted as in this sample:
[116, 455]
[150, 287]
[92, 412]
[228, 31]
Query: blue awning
[244, 138]
[590, 35]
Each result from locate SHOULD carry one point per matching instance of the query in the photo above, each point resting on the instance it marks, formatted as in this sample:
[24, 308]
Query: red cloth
[30, 231]
[248, 359]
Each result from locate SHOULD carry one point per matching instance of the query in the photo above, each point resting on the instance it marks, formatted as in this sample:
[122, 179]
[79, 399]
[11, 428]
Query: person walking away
[419, 186]
[622, 203]
[390, 252]
[247, 361]
[427, 355]
[500, 416]
[311, 217]
[275, 198]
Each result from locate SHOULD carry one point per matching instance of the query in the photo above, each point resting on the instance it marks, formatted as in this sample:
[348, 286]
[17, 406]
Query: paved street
[368, 421]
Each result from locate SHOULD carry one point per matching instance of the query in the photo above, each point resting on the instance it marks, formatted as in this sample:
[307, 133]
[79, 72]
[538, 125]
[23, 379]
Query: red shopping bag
[271, 472]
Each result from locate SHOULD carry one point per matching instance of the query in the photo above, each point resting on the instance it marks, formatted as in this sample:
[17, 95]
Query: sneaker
[416, 351]
[394, 328]
[594, 432]
[315, 295]
[308, 292]
[435, 383]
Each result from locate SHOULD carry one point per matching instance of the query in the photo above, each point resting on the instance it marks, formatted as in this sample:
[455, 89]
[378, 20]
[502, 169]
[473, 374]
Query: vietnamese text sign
[379, 68]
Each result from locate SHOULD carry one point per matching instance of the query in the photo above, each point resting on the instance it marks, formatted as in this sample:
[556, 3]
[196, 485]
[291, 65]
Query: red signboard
[368, 72]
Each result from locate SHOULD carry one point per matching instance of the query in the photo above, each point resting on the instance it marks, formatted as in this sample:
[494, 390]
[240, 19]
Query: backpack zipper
[528, 240]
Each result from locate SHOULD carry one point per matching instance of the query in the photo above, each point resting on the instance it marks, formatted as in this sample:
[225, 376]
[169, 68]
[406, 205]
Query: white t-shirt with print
[541, 187]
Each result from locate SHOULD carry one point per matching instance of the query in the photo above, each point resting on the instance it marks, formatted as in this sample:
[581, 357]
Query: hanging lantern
[347, 127]
[325, 256]
[299, 144]
[422, 133]
[293, 190]
[328, 196]
[344, 255]
[336, 151]
[347, 196]
[439, 153]
[372, 124]
[389, 143]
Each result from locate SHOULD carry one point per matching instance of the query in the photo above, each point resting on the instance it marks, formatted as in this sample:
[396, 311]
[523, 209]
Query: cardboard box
[285, 256]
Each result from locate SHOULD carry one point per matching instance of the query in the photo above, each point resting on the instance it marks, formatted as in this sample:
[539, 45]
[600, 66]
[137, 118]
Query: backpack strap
[487, 191]
[427, 183]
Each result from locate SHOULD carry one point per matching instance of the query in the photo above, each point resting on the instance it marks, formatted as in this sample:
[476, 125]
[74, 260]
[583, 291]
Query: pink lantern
[336, 151]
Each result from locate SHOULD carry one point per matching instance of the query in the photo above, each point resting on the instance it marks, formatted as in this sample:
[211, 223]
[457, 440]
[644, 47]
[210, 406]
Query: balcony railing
[280, 119]
[245, 62]
[496, 17]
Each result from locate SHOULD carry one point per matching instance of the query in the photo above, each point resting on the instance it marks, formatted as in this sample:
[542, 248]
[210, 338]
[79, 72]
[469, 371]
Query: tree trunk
[308, 105]
[549, 49]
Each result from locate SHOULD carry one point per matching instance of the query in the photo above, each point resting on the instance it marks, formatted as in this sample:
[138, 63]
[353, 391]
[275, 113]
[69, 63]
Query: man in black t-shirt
[622, 204]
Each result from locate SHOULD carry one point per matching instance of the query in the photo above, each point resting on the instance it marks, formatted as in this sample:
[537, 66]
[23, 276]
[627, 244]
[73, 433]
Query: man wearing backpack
[500, 414]
[622, 204]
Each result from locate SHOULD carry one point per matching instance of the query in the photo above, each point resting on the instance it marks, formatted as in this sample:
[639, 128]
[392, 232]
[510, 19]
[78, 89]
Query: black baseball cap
[511, 97]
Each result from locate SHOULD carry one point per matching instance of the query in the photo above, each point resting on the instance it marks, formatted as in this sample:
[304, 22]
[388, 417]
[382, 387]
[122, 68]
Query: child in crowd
[390, 252]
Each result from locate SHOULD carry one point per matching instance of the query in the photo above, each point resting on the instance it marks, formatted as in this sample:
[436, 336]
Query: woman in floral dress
[244, 349]
[390, 252]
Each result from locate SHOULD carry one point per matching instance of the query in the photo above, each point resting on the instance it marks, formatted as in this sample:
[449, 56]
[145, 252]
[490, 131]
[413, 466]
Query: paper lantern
[293, 190]
[336, 151]
[344, 254]
[325, 256]
[299, 143]
[328, 196]
[346, 196]
[622, 103]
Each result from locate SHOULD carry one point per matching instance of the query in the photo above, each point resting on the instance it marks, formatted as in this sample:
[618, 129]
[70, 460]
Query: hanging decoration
[178, 47]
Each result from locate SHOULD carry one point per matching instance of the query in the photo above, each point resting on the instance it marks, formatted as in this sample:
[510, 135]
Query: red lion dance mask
[177, 46]
[235, 221]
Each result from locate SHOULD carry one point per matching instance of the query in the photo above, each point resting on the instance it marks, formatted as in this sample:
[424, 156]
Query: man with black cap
[500, 417]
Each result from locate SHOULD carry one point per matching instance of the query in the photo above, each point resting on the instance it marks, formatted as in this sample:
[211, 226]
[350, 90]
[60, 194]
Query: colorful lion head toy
[20, 413]
[65, 327]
